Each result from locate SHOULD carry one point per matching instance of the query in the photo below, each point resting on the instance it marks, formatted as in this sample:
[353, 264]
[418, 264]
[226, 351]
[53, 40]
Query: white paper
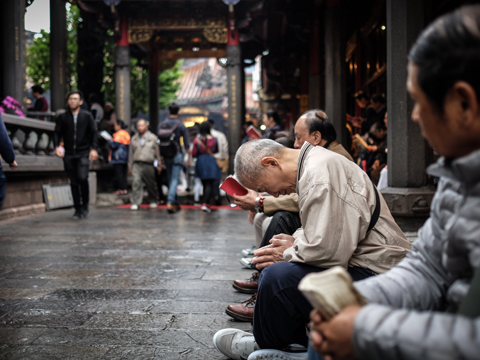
[105, 135]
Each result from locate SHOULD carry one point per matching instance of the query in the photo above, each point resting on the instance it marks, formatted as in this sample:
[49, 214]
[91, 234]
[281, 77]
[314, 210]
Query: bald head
[315, 128]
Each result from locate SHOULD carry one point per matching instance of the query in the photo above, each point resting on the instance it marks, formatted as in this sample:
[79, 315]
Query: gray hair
[248, 159]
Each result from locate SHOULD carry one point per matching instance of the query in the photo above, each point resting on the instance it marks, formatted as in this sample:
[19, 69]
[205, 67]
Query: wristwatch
[257, 209]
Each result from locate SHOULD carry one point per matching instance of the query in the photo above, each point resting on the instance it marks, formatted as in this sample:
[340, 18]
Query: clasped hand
[272, 253]
[333, 339]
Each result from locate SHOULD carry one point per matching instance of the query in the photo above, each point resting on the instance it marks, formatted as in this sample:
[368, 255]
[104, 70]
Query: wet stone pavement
[121, 284]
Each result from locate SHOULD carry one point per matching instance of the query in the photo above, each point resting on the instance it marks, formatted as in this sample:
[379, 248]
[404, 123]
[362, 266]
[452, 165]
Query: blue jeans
[173, 167]
[3, 186]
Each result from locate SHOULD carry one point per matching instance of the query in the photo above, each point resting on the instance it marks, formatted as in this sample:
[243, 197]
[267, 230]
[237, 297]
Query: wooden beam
[190, 54]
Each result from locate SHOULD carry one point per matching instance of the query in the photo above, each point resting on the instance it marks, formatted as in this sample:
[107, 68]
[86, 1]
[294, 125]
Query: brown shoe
[249, 286]
[171, 208]
[243, 311]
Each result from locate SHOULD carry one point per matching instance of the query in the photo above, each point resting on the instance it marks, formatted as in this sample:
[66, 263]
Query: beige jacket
[290, 202]
[336, 201]
[146, 153]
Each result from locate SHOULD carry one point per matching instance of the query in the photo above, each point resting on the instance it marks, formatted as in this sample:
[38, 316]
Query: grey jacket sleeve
[399, 334]
[418, 282]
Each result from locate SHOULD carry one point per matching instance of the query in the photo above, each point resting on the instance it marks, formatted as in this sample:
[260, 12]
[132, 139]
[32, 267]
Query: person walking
[119, 146]
[221, 156]
[142, 154]
[174, 158]
[206, 168]
[8, 154]
[77, 129]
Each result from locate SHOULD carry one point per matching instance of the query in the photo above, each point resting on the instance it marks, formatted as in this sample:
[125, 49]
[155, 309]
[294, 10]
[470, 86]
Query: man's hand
[130, 172]
[159, 170]
[59, 152]
[246, 202]
[333, 339]
[251, 216]
[272, 253]
[93, 155]
[13, 165]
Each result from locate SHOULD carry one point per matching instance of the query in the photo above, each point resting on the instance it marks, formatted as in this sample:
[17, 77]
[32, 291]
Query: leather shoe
[249, 286]
[172, 208]
[243, 311]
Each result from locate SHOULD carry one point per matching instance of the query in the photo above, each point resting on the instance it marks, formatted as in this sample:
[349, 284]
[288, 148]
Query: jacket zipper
[75, 134]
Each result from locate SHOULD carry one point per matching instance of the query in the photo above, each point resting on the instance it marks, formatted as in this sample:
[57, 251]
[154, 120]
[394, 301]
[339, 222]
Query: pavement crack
[169, 322]
[199, 342]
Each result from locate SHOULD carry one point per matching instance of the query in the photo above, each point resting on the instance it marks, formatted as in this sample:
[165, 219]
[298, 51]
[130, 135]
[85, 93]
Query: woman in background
[119, 156]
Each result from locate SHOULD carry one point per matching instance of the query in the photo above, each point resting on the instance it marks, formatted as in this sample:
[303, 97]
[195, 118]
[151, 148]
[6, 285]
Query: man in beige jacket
[142, 154]
[345, 222]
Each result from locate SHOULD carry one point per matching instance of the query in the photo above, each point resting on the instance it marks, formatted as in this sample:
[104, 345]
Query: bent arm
[284, 202]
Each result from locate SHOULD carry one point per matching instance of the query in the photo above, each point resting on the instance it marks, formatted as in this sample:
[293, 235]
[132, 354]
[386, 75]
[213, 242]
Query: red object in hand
[232, 187]
[253, 133]
[364, 165]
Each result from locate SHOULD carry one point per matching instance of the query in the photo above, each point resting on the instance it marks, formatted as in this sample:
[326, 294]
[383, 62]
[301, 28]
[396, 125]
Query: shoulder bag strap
[376, 212]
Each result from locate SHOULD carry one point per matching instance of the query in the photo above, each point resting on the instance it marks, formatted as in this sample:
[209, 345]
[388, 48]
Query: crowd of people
[422, 300]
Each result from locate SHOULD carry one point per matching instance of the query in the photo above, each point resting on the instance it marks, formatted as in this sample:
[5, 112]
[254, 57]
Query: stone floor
[121, 284]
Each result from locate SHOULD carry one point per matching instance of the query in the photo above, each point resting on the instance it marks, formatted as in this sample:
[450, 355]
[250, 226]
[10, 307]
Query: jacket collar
[301, 160]
[465, 169]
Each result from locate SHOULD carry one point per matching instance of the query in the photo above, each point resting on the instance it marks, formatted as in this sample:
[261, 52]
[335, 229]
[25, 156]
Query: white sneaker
[153, 205]
[235, 344]
[249, 251]
[278, 354]
[206, 208]
[246, 262]
[134, 207]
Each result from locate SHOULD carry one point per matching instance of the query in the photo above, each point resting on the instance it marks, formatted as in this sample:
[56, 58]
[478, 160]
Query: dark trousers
[3, 187]
[216, 191]
[207, 190]
[281, 311]
[283, 222]
[162, 179]
[120, 171]
[76, 167]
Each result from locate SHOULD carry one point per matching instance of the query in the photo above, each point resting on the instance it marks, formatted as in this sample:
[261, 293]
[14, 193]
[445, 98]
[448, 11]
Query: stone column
[316, 81]
[58, 54]
[335, 77]
[12, 63]
[408, 152]
[234, 74]
[122, 76]
[153, 93]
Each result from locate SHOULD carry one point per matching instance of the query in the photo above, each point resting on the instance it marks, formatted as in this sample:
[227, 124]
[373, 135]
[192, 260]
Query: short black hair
[37, 89]
[447, 51]
[211, 122]
[361, 95]
[379, 99]
[379, 126]
[274, 115]
[76, 91]
[122, 124]
[173, 109]
[317, 120]
[204, 128]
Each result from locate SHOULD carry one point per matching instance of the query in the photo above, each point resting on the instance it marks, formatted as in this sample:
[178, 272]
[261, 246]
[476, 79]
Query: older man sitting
[345, 221]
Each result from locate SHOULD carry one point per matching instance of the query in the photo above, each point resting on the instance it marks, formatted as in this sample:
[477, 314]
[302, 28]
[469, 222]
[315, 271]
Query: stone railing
[33, 143]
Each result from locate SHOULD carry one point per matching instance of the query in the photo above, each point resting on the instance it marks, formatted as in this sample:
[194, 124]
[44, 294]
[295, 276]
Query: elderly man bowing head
[345, 222]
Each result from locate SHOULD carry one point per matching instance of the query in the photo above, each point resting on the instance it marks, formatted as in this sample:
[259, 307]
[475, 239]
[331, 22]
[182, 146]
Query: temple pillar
[235, 98]
[335, 76]
[122, 76]
[58, 54]
[153, 92]
[316, 81]
[12, 62]
[408, 152]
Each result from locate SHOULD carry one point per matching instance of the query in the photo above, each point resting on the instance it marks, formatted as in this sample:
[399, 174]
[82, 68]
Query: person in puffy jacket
[418, 310]
[119, 156]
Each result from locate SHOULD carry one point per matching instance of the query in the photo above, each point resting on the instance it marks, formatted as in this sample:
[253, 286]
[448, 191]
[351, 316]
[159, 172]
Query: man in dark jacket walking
[7, 153]
[77, 129]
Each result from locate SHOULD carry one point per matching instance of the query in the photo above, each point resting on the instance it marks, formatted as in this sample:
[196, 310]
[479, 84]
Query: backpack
[166, 140]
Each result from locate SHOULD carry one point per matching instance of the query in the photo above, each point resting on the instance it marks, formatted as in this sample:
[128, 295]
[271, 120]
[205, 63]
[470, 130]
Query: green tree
[38, 55]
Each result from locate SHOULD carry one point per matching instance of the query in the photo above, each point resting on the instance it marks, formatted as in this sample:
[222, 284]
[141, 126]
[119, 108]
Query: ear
[317, 138]
[463, 103]
[270, 161]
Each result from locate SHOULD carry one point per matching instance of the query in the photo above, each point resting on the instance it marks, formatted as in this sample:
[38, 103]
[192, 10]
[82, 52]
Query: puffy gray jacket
[406, 317]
